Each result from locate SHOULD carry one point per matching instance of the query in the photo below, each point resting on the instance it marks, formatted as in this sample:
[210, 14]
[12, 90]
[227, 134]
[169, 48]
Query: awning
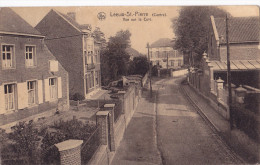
[236, 65]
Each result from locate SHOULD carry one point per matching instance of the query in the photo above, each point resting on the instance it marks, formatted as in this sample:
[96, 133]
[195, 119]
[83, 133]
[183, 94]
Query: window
[7, 56]
[9, 96]
[31, 86]
[172, 62]
[97, 77]
[53, 88]
[179, 62]
[30, 56]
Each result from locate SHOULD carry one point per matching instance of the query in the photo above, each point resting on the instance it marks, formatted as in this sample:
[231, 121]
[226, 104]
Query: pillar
[111, 109]
[240, 94]
[102, 122]
[70, 152]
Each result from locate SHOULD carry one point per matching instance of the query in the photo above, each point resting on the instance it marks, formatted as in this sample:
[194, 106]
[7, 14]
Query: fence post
[102, 122]
[240, 93]
[220, 83]
[111, 109]
[70, 152]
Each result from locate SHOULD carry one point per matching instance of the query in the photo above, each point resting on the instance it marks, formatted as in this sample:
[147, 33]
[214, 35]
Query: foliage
[114, 59]
[139, 65]
[63, 130]
[76, 97]
[245, 120]
[100, 37]
[191, 29]
[23, 148]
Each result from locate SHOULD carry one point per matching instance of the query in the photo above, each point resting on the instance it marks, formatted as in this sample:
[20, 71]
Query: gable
[53, 25]
[13, 23]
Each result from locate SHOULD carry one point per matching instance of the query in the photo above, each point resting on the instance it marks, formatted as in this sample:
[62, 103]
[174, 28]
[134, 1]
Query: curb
[214, 128]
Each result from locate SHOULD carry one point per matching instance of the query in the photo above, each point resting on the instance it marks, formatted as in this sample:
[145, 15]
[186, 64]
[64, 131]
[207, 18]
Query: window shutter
[47, 90]
[40, 93]
[2, 100]
[59, 88]
[22, 95]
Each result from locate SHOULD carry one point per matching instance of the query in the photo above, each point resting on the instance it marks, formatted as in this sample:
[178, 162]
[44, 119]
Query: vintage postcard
[129, 85]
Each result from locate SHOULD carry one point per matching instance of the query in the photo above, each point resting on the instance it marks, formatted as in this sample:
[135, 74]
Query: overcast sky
[142, 31]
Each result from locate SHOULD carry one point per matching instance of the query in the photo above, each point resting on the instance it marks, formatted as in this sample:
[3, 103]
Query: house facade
[211, 78]
[162, 53]
[75, 48]
[244, 52]
[32, 81]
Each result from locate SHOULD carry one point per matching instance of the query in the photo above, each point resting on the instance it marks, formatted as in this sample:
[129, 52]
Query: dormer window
[7, 56]
[30, 56]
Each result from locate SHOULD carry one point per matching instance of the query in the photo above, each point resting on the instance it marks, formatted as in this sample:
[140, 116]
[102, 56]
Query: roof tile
[12, 22]
[241, 29]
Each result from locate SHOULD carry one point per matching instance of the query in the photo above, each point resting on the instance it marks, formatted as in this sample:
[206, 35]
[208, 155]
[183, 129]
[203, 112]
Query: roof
[79, 27]
[163, 42]
[241, 29]
[236, 65]
[10, 22]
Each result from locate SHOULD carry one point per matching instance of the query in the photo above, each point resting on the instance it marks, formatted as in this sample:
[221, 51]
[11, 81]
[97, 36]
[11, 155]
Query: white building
[162, 53]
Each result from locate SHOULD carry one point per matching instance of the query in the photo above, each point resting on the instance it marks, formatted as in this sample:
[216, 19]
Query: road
[167, 130]
[183, 136]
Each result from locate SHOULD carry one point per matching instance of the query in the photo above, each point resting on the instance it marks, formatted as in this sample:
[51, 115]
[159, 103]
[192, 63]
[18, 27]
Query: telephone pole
[229, 77]
[150, 70]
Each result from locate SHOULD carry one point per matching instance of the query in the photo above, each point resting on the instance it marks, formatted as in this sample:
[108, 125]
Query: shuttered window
[31, 87]
[53, 88]
[9, 97]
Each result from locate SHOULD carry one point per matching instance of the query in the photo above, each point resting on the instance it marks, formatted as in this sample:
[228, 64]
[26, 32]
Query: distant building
[162, 53]
[32, 81]
[75, 48]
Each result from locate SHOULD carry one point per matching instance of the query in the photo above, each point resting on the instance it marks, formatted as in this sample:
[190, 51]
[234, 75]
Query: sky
[146, 24]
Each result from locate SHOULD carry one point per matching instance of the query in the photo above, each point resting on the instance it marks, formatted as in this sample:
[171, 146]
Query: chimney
[72, 15]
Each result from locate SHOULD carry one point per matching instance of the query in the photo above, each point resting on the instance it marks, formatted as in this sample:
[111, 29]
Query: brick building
[244, 53]
[162, 53]
[32, 81]
[75, 48]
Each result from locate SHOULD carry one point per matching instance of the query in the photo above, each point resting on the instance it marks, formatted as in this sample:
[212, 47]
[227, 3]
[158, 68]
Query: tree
[100, 37]
[139, 65]
[191, 29]
[115, 59]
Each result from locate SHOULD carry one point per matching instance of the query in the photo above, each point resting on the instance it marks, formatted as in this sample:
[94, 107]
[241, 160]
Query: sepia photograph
[129, 85]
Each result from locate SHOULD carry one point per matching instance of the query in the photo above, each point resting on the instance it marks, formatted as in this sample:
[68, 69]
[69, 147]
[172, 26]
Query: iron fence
[90, 146]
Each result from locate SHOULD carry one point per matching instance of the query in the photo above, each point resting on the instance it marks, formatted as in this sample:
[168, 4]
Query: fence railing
[90, 146]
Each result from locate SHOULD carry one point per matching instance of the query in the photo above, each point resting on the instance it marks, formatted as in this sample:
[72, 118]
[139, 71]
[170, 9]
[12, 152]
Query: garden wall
[130, 100]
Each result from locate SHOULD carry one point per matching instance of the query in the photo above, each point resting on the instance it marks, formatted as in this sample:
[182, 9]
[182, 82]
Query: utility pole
[229, 77]
[167, 63]
[150, 70]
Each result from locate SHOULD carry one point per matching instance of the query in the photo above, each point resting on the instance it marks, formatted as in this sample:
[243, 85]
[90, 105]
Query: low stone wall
[179, 72]
[104, 154]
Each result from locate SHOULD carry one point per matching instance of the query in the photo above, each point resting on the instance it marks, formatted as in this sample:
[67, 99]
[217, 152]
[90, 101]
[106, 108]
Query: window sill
[8, 68]
[29, 67]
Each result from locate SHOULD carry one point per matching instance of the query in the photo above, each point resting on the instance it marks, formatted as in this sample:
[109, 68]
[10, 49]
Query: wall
[66, 44]
[39, 73]
[130, 100]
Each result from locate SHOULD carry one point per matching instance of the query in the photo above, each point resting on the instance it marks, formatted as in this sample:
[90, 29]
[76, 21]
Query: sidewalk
[138, 146]
[242, 147]
[219, 122]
